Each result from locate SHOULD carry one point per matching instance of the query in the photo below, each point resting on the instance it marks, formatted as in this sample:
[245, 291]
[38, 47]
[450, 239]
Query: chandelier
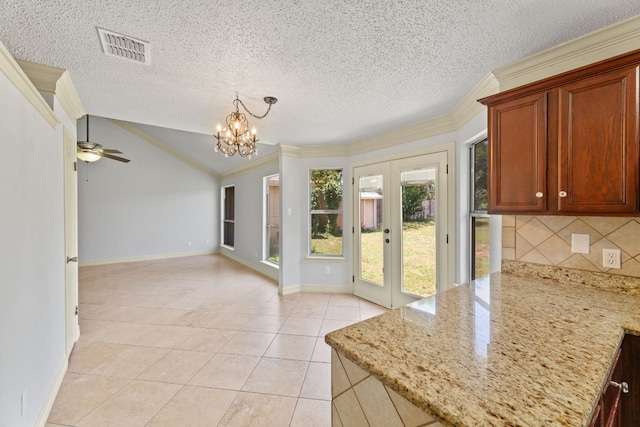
[235, 136]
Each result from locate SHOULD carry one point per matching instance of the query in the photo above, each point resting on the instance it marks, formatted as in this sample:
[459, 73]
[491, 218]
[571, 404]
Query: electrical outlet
[189, 242]
[611, 258]
[327, 270]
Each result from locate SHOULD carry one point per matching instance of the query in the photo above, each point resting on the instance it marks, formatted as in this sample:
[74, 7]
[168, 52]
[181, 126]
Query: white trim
[164, 147]
[57, 82]
[325, 258]
[599, 45]
[261, 162]
[19, 79]
[52, 394]
[467, 109]
[270, 272]
[447, 146]
[145, 258]
[289, 290]
[68, 97]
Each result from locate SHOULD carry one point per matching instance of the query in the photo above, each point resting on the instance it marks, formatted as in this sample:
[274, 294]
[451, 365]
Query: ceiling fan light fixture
[237, 136]
[88, 151]
[88, 156]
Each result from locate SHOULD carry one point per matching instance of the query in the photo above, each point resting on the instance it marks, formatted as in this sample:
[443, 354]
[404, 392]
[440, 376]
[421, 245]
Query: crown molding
[599, 45]
[469, 107]
[466, 110]
[68, 97]
[57, 82]
[21, 82]
[43, 77]
[291, 150]
[261, 162]
[164, 147]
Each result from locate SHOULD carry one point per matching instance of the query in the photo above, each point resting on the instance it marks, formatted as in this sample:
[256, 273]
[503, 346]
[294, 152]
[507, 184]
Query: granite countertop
[509, 351]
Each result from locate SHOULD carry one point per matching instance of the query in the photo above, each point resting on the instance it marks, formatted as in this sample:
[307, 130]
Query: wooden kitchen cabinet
[619, 405]
[567, 145]
[518, 155]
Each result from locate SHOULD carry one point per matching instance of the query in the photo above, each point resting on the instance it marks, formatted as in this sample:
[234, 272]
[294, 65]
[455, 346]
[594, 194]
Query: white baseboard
[335, 289]
[53, 392]
[145, 258]
[289, 290]
[262, 268]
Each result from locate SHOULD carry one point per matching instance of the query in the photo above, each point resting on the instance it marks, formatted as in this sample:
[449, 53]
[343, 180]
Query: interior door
[71, 241]
[400, 230]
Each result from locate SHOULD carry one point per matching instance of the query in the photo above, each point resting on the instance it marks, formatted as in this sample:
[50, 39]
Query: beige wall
[547, 240]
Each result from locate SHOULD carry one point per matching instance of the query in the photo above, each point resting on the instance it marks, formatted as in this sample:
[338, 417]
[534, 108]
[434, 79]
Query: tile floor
[200, 341]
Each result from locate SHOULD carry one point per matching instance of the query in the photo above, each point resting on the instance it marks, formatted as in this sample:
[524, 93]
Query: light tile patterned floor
[200, 341]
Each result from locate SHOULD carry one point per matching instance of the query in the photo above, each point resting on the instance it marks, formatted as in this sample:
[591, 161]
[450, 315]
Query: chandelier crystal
[235, 136]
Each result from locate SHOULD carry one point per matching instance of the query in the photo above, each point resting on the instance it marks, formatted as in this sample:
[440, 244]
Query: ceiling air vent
[122, 46]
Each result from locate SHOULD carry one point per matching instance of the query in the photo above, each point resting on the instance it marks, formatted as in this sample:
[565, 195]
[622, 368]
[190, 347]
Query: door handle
[74, 259]
[386, 231]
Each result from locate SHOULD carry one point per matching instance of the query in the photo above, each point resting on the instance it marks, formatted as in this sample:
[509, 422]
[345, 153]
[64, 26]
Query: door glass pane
[273, 218]
[419, 231]
[371, 235]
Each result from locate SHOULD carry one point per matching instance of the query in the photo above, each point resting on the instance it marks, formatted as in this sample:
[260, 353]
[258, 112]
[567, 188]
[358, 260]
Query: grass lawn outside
[419, 246]
[482, 267]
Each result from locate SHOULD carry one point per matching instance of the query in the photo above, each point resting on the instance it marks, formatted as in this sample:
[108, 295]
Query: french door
[401, 228]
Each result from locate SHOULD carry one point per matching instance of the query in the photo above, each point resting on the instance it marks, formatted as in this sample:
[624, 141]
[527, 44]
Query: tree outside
[326, 211]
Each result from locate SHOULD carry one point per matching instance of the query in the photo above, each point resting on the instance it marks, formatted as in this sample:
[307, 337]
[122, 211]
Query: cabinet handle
[539, 194]
[562, 194]
[622, 386]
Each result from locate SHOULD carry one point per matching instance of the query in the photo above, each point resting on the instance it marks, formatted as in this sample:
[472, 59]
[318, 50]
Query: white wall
[291, 256]
[151, 207]
[32, 328]
[249, 220]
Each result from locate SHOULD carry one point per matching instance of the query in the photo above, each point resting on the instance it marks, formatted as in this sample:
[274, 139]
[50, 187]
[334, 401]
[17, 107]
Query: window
[478, 186]
[272, 218]
[325, 216]
[228, 215]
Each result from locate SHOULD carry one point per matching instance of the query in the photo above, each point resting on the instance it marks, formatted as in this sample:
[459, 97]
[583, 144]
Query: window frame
[227, 226]
[266, 242]
[338, 212]
[474, 214]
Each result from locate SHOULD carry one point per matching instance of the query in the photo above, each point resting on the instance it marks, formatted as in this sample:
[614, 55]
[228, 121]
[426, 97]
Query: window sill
[325, 258]
[270, 264]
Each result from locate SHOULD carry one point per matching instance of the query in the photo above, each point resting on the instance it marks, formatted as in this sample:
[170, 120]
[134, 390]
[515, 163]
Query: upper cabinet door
[518, 155]
[598, 144]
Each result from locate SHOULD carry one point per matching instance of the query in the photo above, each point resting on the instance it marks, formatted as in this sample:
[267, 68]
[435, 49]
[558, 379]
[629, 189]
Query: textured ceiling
[341, 70]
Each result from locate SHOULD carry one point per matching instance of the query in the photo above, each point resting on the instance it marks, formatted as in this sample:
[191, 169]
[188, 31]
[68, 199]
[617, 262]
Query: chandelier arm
[247, 110]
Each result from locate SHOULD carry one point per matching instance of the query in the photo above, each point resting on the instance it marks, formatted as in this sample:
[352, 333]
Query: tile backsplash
[546, 240]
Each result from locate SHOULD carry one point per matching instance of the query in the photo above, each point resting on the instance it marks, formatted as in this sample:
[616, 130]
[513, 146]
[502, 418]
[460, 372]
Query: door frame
[70, 179]
[448, 275]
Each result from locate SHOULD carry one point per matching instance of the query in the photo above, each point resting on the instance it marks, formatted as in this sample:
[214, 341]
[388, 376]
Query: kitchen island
[506, 351]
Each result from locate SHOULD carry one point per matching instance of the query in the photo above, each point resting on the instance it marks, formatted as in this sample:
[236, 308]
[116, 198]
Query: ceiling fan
[90, 151]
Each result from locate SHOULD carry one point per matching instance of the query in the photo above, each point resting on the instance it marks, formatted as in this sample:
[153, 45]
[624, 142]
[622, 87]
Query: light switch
[580, 243]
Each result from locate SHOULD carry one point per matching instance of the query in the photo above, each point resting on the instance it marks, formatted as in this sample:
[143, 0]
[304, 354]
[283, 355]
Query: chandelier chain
[238, 100]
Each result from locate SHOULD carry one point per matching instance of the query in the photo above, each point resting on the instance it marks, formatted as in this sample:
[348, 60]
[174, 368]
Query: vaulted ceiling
[342, 70]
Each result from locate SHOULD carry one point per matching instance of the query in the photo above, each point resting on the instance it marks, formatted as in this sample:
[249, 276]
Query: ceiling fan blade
[120, 159]
[106, 150]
